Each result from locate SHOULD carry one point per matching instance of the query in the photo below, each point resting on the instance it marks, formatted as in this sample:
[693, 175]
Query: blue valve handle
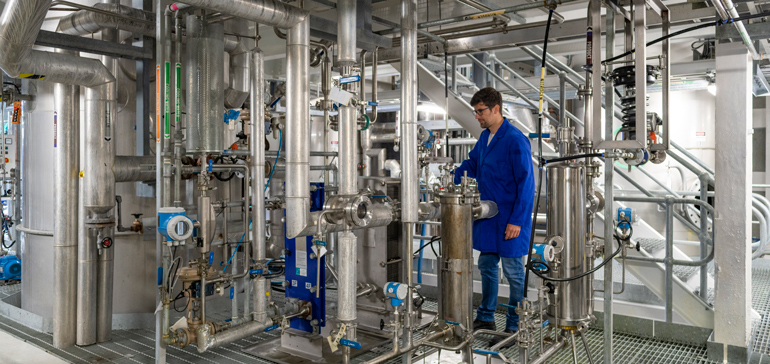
[545, 323]
[211, 165]
[271, 328]
[480, 351]
[211, 258]
[255, 271]
[232, 292]
[160, 276]
[350, 343]
[504, 305]
[534, 135]
[452, 322]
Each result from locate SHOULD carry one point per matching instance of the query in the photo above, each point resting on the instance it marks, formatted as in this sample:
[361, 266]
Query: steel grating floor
[138, 346]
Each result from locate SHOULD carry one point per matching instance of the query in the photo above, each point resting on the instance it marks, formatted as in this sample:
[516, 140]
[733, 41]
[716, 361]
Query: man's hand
[512, 231]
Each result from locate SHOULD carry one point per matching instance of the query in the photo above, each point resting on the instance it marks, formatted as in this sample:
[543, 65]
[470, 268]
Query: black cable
[218, 175]
[432, 240]
[14, 85]
[620, 248]
[571, 157]
[715, 23]
[539, 152]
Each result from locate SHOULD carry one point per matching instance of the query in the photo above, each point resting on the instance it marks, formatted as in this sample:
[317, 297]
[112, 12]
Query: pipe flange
[358, 211]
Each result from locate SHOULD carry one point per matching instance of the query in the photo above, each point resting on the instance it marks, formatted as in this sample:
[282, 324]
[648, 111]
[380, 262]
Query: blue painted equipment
[10, 267]
[397, 293]
[231, 115]
[542, 254]
[302, 271]
[174, 224]
[624, 217]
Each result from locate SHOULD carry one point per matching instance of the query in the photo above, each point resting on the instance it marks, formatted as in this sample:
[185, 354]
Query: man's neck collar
[494, 128]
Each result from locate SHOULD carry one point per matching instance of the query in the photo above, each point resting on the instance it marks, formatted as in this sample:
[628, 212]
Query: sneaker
[498, 339]
[485, 325]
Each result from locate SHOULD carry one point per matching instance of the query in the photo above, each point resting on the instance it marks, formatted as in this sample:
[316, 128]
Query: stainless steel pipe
[257, 146]
[409, 95]
[348, 149]
[346, 33]
[66, 192]
[86, 22]
[240, 63]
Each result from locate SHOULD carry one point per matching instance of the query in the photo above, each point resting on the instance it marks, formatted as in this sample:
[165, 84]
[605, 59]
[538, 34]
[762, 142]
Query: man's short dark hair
[489, 96]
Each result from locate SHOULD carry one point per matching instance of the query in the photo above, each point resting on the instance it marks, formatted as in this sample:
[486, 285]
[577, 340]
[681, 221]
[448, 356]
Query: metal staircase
[685, 300]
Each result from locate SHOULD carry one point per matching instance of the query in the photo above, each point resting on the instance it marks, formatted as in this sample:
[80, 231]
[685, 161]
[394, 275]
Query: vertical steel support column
[703, 237]
[66, 191]
[609, 100]
[257, 146]
[409, 168]
[732, 223]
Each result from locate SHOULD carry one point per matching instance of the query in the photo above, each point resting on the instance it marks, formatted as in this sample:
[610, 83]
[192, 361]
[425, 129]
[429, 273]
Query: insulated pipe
[86, 22]
[729, 7]
[106, 262]
[19, 26]
[207, 341]
[297, 130]
[66, 191]
[257, 146]
[128, 168]
[272, 13]
[347, 284]
[240, 82]
[346, 33]
[348, 147]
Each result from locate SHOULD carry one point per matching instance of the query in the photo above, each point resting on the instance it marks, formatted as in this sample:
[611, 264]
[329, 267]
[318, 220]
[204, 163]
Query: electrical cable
[602, 264]
[539, 150]
[432, 240]
[715, 23]
[218, 175]
[280, 141]
[236, 248]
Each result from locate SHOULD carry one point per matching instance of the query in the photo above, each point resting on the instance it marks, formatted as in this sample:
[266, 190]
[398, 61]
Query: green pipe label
[177, 93]
[167, 103]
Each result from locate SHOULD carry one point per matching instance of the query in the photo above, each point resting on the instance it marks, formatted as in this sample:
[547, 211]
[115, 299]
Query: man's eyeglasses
[479, 111]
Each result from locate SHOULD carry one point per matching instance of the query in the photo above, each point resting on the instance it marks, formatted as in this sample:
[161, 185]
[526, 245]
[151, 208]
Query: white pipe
[393, 167]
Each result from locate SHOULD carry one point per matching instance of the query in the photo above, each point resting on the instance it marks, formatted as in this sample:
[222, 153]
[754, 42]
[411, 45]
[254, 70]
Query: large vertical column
[160, 298]
[409, 168]
[732, 224]
[609, 99]
[66, 192]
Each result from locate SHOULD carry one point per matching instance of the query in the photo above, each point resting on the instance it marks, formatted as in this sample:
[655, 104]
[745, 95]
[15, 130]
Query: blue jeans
[513, 269]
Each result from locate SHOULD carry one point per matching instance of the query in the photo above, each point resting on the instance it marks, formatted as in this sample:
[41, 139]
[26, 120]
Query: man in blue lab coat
[501, 163]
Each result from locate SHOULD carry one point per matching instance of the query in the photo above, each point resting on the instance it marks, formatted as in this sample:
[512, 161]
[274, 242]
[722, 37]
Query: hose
[539, 153]
[715, 23]
[571, 157]
[602, 264]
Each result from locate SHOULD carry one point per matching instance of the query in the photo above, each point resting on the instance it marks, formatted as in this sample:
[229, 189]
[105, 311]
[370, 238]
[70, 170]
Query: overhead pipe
[129, 168]
[729, 8]
[19, 26]
[66, 192]
[87, 22]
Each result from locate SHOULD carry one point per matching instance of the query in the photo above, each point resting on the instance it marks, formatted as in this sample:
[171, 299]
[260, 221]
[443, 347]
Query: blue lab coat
[503, 170]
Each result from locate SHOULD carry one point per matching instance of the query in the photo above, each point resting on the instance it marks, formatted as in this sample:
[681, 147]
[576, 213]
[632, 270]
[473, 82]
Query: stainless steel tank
[455, 304]
[205, 77]
[570, 303]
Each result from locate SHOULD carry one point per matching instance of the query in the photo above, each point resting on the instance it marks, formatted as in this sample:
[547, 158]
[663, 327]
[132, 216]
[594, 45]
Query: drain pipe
[409, 173]
[66, 191]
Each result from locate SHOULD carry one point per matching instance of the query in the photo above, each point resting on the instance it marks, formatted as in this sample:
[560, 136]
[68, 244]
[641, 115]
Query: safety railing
[668, 260]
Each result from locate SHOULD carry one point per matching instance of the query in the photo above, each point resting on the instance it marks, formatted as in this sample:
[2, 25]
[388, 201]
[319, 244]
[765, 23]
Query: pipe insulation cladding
[205, 77]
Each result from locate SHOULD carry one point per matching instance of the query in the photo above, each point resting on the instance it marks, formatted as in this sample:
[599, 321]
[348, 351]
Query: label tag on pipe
[350, 79]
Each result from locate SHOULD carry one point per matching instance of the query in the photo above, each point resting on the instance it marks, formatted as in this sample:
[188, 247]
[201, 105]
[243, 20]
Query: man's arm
[469, 165]
[524, 182]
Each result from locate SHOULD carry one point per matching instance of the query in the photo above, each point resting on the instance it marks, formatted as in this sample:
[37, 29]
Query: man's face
[485, 114]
